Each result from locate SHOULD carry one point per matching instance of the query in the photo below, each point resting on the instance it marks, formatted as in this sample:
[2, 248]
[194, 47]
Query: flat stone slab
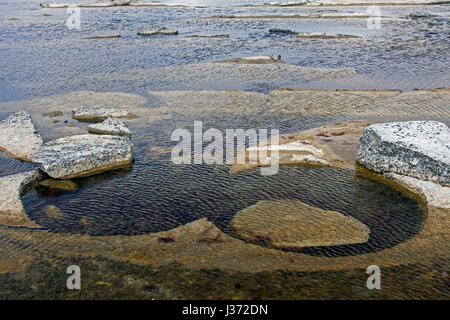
[84, 155]
[98, 114]
[18, 137]
[111, 126]
[419, 149]
[294, 224]
[12, 212]
[157, 32]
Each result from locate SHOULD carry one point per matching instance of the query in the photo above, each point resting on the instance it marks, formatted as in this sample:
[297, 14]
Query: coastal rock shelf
[18, 137]
[419, 149]
[12, 212]
[293, 224]
[111, 126]
[84, 155]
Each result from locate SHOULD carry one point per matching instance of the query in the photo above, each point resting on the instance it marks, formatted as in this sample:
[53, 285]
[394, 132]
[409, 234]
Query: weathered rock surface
[18, 136]
[111, 126]
[98, 114]
[294, 224]
[12, 212]
[157, 32]
[84, 155]
[419, 149]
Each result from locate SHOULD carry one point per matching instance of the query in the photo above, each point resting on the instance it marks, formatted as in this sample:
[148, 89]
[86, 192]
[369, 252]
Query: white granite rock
[97, 114]
[419, 149]
[18, 136]
[111, 126]
[12, 212]
[84, 155]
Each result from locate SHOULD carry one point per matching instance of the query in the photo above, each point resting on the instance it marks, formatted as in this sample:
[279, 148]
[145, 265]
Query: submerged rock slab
[419, 149]
[18, 136]
[110, 126]
[98, 114]
[84, 155]
[12, 212]
[294, 224]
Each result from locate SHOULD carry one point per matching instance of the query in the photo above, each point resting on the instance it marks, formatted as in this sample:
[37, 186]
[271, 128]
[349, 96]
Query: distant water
[40, 56]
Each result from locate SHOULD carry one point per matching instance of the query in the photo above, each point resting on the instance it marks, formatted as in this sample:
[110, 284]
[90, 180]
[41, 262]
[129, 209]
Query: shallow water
[41, 57]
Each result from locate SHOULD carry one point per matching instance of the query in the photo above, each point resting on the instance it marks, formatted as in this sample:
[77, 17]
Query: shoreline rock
[12, 212]
[18, 136]
[84, 155]
[111, 126]
[420, 149]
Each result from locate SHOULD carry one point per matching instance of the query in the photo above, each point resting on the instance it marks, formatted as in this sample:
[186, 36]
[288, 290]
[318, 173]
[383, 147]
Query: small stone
[18, 136]
[111, 126]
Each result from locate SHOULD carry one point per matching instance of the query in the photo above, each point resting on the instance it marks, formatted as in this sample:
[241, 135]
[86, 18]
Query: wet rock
[12, 212]
[157, 32]
[419, 149]
[18, 136]
[98, 114]
[433, 193]
[111, 126]
[64, 185]
[294, 224]
[320, 35]
[84, 155]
